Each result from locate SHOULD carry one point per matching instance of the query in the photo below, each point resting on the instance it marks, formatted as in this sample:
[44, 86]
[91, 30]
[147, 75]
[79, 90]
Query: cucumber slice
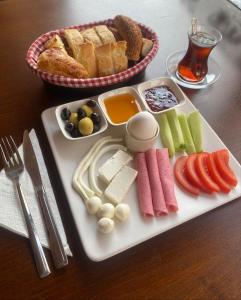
[189, 145]
[176, 130]
[166, 135]
[194, 122]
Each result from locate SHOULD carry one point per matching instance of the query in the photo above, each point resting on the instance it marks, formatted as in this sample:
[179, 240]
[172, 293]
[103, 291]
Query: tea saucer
[213, 75]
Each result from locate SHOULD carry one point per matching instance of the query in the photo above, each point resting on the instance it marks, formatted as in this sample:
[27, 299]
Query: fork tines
[9, 152]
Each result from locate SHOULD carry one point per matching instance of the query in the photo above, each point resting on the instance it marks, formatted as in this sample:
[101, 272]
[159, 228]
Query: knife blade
[57, 250]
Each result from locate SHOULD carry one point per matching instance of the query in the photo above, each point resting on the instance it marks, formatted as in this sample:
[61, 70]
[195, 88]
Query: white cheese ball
[93, 205]
[107, 210]
[105, 225]
[122, 211]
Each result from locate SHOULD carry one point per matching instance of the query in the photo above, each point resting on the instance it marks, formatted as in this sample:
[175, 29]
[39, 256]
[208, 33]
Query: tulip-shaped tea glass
[191, 67]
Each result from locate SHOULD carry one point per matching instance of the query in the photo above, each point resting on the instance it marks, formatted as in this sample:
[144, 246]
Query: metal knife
[59, 257]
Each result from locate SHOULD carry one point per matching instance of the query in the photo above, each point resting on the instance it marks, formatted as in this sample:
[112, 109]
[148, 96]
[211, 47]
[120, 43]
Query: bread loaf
[91, 36]
[105, 35]
[146, 46]
[104, 60]
[119, 58]
[55, 61]
[86, 56]
[131, 33]
[115, 33]
[55, 42]
[74, 40]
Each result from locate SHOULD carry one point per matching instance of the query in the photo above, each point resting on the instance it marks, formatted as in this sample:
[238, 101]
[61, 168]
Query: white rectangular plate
[136, 229]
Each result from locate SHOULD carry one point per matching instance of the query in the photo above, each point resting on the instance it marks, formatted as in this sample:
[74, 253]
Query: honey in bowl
[120, 108]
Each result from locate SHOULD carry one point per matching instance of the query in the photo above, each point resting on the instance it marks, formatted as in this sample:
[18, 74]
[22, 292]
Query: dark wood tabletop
[200, 259]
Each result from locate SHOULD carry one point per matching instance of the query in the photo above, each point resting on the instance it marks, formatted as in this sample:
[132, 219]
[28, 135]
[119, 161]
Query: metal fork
[13, 166]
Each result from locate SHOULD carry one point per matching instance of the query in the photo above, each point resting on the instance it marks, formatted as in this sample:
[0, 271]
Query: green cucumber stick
[194, 122]
[166, 135]
[189, 145]
[176, 130]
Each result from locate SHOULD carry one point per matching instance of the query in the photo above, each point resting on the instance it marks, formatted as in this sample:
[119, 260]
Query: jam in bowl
[161, 94]
[160, 98]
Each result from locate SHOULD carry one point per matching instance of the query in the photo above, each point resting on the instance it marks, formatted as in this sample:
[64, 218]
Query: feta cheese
[113, 165]
[121, 183]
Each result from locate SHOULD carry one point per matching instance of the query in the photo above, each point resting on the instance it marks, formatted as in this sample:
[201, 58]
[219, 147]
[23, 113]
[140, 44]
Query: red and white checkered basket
[38, 46]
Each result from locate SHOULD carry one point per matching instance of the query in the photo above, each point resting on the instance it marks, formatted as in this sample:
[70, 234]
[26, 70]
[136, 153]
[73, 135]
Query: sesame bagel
[131, 33]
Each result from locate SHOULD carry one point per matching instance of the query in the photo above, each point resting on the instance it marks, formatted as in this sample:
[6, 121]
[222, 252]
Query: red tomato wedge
[221, 159]
[179, 172]
[192, 175]
[215, 175]
[202, 171]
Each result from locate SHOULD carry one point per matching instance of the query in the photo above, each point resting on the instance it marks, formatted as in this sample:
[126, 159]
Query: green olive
[87, 110]
[86, 126]
[74, 118]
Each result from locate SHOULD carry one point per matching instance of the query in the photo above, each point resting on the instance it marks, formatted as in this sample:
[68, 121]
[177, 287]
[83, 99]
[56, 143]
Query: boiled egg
[142, 126]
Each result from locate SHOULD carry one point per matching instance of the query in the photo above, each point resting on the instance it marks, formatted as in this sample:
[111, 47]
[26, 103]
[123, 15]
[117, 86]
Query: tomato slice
[215, 175]
[192, 175]
[179, 172]
[224, 154]
[221, 159]
[202, 171]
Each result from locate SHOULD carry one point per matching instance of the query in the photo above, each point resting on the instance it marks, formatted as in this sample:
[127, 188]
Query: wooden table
[198, 260]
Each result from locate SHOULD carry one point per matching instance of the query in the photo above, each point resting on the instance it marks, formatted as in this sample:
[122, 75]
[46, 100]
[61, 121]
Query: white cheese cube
[120, 185]
[113, 165]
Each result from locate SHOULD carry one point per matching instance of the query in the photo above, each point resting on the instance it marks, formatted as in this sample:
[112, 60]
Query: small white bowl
[162, 81]
[136, 145]
[124, 90]
[73, 107]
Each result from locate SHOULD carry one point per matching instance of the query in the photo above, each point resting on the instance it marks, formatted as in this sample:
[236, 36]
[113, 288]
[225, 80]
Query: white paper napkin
[11, 216]
[237, 3]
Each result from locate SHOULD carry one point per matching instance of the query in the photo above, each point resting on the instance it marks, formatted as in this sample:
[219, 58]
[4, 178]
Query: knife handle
[56, 246]
[38, 252]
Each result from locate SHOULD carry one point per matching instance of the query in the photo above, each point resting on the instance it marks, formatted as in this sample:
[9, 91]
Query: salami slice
[158, 200]
[143, 186]
[166, 178]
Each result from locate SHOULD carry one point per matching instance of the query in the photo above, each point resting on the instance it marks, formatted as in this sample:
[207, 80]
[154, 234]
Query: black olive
[69, 127]
[75, 133]
[91, 103]
[96, 128]
[65, 114]
[95, 118]
[81, 113]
